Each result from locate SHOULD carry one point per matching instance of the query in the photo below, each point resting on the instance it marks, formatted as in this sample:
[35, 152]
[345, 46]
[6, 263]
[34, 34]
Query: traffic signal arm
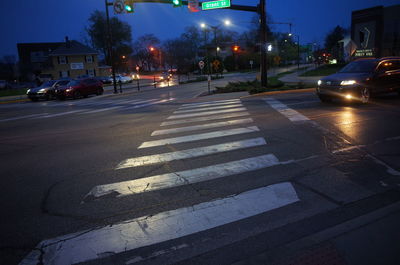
[185, 3]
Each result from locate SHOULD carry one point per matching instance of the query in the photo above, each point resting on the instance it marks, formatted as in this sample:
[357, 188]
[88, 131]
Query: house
[58, 60]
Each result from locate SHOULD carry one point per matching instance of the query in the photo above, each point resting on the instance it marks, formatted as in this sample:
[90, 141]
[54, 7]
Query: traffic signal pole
[259, 9]
[109, 48]
[263, 48]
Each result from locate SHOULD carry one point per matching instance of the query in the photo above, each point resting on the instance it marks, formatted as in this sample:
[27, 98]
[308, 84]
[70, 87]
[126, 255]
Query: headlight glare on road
[348, 82]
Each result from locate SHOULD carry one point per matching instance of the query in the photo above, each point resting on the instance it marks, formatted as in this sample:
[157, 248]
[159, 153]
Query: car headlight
[348, 82]
[42, 90]
[29, 90]
[319, 82]
[68, 90]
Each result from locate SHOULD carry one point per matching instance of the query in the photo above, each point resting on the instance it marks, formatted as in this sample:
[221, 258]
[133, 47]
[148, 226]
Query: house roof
[72, 48]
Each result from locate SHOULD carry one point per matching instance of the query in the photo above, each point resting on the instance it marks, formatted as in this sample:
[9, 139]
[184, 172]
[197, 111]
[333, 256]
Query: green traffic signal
[177, 3]
[128, 5]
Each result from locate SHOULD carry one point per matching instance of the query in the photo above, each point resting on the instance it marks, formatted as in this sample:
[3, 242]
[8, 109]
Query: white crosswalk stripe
[149, 230]
[202, 127]
[208, 108]
[184, 177]
[190, 153]
[205, 113]
[210, 104]
[198, 137]
[289, 113]
[201, 119]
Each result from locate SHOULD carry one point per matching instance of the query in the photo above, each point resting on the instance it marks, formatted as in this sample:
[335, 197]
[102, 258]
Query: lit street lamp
[298, 49]
[204, 26]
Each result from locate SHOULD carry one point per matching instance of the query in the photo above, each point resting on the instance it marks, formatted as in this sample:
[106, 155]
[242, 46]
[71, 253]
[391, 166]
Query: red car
[80, 88]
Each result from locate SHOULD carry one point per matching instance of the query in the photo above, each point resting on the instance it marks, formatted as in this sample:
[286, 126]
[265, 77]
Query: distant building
[376, 31]
[58, 60]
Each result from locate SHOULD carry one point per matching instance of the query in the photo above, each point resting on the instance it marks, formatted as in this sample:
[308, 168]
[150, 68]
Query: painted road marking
[206, 113]
[181, 178]
[202, 126]
[190, 153]
[100, 110]
[149, 104]
[211, 104]
[197, 137]
[23, 117]
[289, 113]
[209, 108]
[200, 119]
[59, 114]
[149, 230]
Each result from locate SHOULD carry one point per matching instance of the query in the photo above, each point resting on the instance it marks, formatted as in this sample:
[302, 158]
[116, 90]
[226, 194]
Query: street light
[298, 49]
[204, 26]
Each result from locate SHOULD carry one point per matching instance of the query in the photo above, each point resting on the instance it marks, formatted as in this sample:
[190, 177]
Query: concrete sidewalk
[369, 239]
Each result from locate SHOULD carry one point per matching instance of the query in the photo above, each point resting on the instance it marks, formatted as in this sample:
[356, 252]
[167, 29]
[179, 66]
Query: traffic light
[128, 6]
[177, 3]
[235, 48]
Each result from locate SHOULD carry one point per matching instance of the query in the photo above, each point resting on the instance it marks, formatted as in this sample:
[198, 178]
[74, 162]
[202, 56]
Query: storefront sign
[364, 53]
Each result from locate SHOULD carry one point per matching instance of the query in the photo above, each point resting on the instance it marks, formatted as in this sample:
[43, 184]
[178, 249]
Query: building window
[64, 74]
[91, 72]
[89, 59]
[62, 60]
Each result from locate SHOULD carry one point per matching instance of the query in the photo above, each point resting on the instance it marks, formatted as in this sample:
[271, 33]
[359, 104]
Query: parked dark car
[80, 88]
[46, 90]
[362, 79]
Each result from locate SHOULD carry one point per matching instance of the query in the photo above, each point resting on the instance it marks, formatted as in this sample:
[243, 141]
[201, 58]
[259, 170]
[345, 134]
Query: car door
[394, 75]
[382, 82]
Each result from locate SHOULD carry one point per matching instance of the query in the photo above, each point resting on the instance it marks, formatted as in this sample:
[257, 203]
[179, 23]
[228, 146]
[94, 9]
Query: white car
[124, 79]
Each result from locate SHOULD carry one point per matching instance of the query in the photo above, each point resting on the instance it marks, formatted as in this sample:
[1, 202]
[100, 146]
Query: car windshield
[73, 83]
[366, 66]
[48, 83]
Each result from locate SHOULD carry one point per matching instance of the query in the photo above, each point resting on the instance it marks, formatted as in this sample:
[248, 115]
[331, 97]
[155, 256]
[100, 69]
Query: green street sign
[216, 4]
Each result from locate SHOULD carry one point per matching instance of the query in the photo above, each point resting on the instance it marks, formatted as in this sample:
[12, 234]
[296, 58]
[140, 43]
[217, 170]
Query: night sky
[52, 20]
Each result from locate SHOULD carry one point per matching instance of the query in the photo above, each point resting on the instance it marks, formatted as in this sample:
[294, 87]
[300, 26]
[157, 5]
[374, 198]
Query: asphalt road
[162, 176]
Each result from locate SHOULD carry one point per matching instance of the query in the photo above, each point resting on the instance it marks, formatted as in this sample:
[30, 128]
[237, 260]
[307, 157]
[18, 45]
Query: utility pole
[110, 49]
[263, 36]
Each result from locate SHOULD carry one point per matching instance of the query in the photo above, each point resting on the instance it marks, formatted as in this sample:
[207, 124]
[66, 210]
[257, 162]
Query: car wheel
[325, 98]
[365, 95]
[76, 95]
[99, 92]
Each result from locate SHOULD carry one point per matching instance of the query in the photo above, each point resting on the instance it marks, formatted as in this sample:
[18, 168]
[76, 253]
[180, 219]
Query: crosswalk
[195, 124]
[89, 106]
